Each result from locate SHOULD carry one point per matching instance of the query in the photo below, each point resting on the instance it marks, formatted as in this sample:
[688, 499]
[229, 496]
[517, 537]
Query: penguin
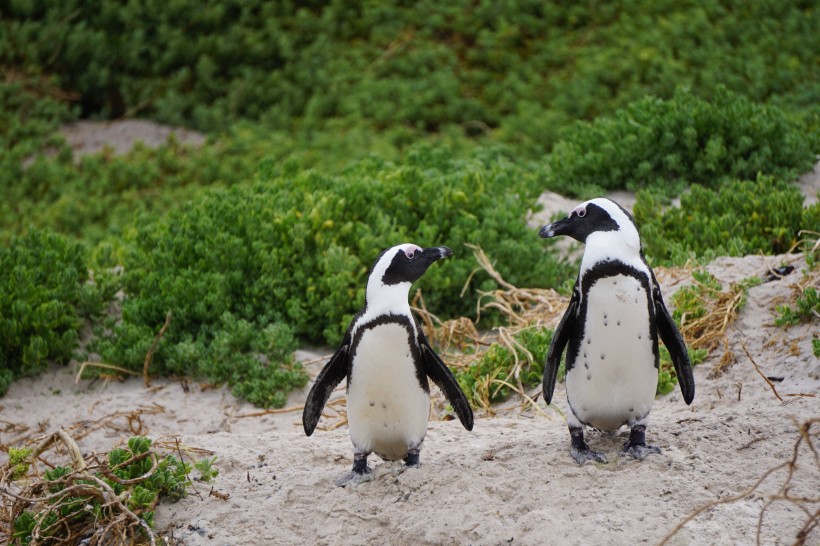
[387, 361]
[610, 331]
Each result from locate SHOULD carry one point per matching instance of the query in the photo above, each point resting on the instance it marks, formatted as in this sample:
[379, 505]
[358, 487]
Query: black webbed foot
[637, 447]
[580, 450]
[361, 472]
[412, 459]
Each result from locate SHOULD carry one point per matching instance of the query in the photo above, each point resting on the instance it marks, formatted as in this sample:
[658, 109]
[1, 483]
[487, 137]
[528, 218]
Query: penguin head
[400, 266]
[601, 219]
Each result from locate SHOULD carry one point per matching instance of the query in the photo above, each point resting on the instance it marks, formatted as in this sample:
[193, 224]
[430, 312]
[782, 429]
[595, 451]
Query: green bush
[522, 66]
[742, 217]
[44, 295]
[295, 248]
[668, 144]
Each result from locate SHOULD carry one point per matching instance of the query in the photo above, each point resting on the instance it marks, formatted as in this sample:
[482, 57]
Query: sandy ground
[509, 481]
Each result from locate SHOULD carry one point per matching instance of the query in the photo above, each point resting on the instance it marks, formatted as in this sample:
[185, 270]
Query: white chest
[613, 379]
[387, 408]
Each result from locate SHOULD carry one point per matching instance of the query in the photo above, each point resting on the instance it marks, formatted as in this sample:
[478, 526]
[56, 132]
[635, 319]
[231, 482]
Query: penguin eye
[410, 254]
[582, 213]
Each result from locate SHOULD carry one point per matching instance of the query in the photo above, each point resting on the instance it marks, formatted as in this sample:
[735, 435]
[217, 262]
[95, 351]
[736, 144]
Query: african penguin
[386, 359]
[610, 330]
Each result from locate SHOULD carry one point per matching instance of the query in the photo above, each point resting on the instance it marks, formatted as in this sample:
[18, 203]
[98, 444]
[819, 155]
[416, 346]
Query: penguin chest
[387, 408]
[613, 377]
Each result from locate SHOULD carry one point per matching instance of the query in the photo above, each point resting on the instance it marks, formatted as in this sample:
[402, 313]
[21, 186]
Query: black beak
[561, 227]
[436, 253]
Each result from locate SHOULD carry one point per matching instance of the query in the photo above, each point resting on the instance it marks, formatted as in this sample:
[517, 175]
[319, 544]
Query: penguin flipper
[331, 375]
[560, 338]
[437, 370]
[672, 339]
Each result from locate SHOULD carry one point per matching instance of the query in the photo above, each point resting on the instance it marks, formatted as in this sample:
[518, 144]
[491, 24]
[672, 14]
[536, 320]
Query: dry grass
[709, 330]
[127, 422]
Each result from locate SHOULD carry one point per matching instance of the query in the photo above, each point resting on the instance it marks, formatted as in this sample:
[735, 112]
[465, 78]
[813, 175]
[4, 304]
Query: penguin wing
[331, 375]
[565, 330]
[671, 337]
[437, 370]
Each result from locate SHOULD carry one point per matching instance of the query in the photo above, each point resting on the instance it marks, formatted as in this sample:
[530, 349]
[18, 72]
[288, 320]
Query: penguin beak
[561, 227]
[436, 253]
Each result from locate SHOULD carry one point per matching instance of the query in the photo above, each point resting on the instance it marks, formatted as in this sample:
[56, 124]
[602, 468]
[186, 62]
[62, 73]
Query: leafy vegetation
[669, 144]
[522, 67]
[806, 308]
[116, 497]
[500, 368]
[294, 248]
[45, 294]
[741, 217]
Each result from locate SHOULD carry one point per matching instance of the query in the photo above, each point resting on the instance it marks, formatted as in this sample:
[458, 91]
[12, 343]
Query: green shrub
[44, 295]
[296, 246]
[742, 217]
[669, 144]
[522, 66]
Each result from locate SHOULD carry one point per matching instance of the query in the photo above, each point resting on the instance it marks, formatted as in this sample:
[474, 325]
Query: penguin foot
[636, 447]
[412, 459]
[580, 450]
[581, 455]
[354, 478]
[639, 451]
[361, 472]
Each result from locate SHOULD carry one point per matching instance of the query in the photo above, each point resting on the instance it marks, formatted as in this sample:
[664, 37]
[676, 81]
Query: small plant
[703, 312]
[667, 379]
[207, 469]
[806, 308]
[17, 461]
[107, 498]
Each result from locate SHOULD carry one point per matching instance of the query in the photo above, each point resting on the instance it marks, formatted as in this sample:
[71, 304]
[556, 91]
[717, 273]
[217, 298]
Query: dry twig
[763, 375]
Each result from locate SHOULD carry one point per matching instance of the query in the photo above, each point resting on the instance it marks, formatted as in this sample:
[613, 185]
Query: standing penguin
[610, 330]
[387, 360]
